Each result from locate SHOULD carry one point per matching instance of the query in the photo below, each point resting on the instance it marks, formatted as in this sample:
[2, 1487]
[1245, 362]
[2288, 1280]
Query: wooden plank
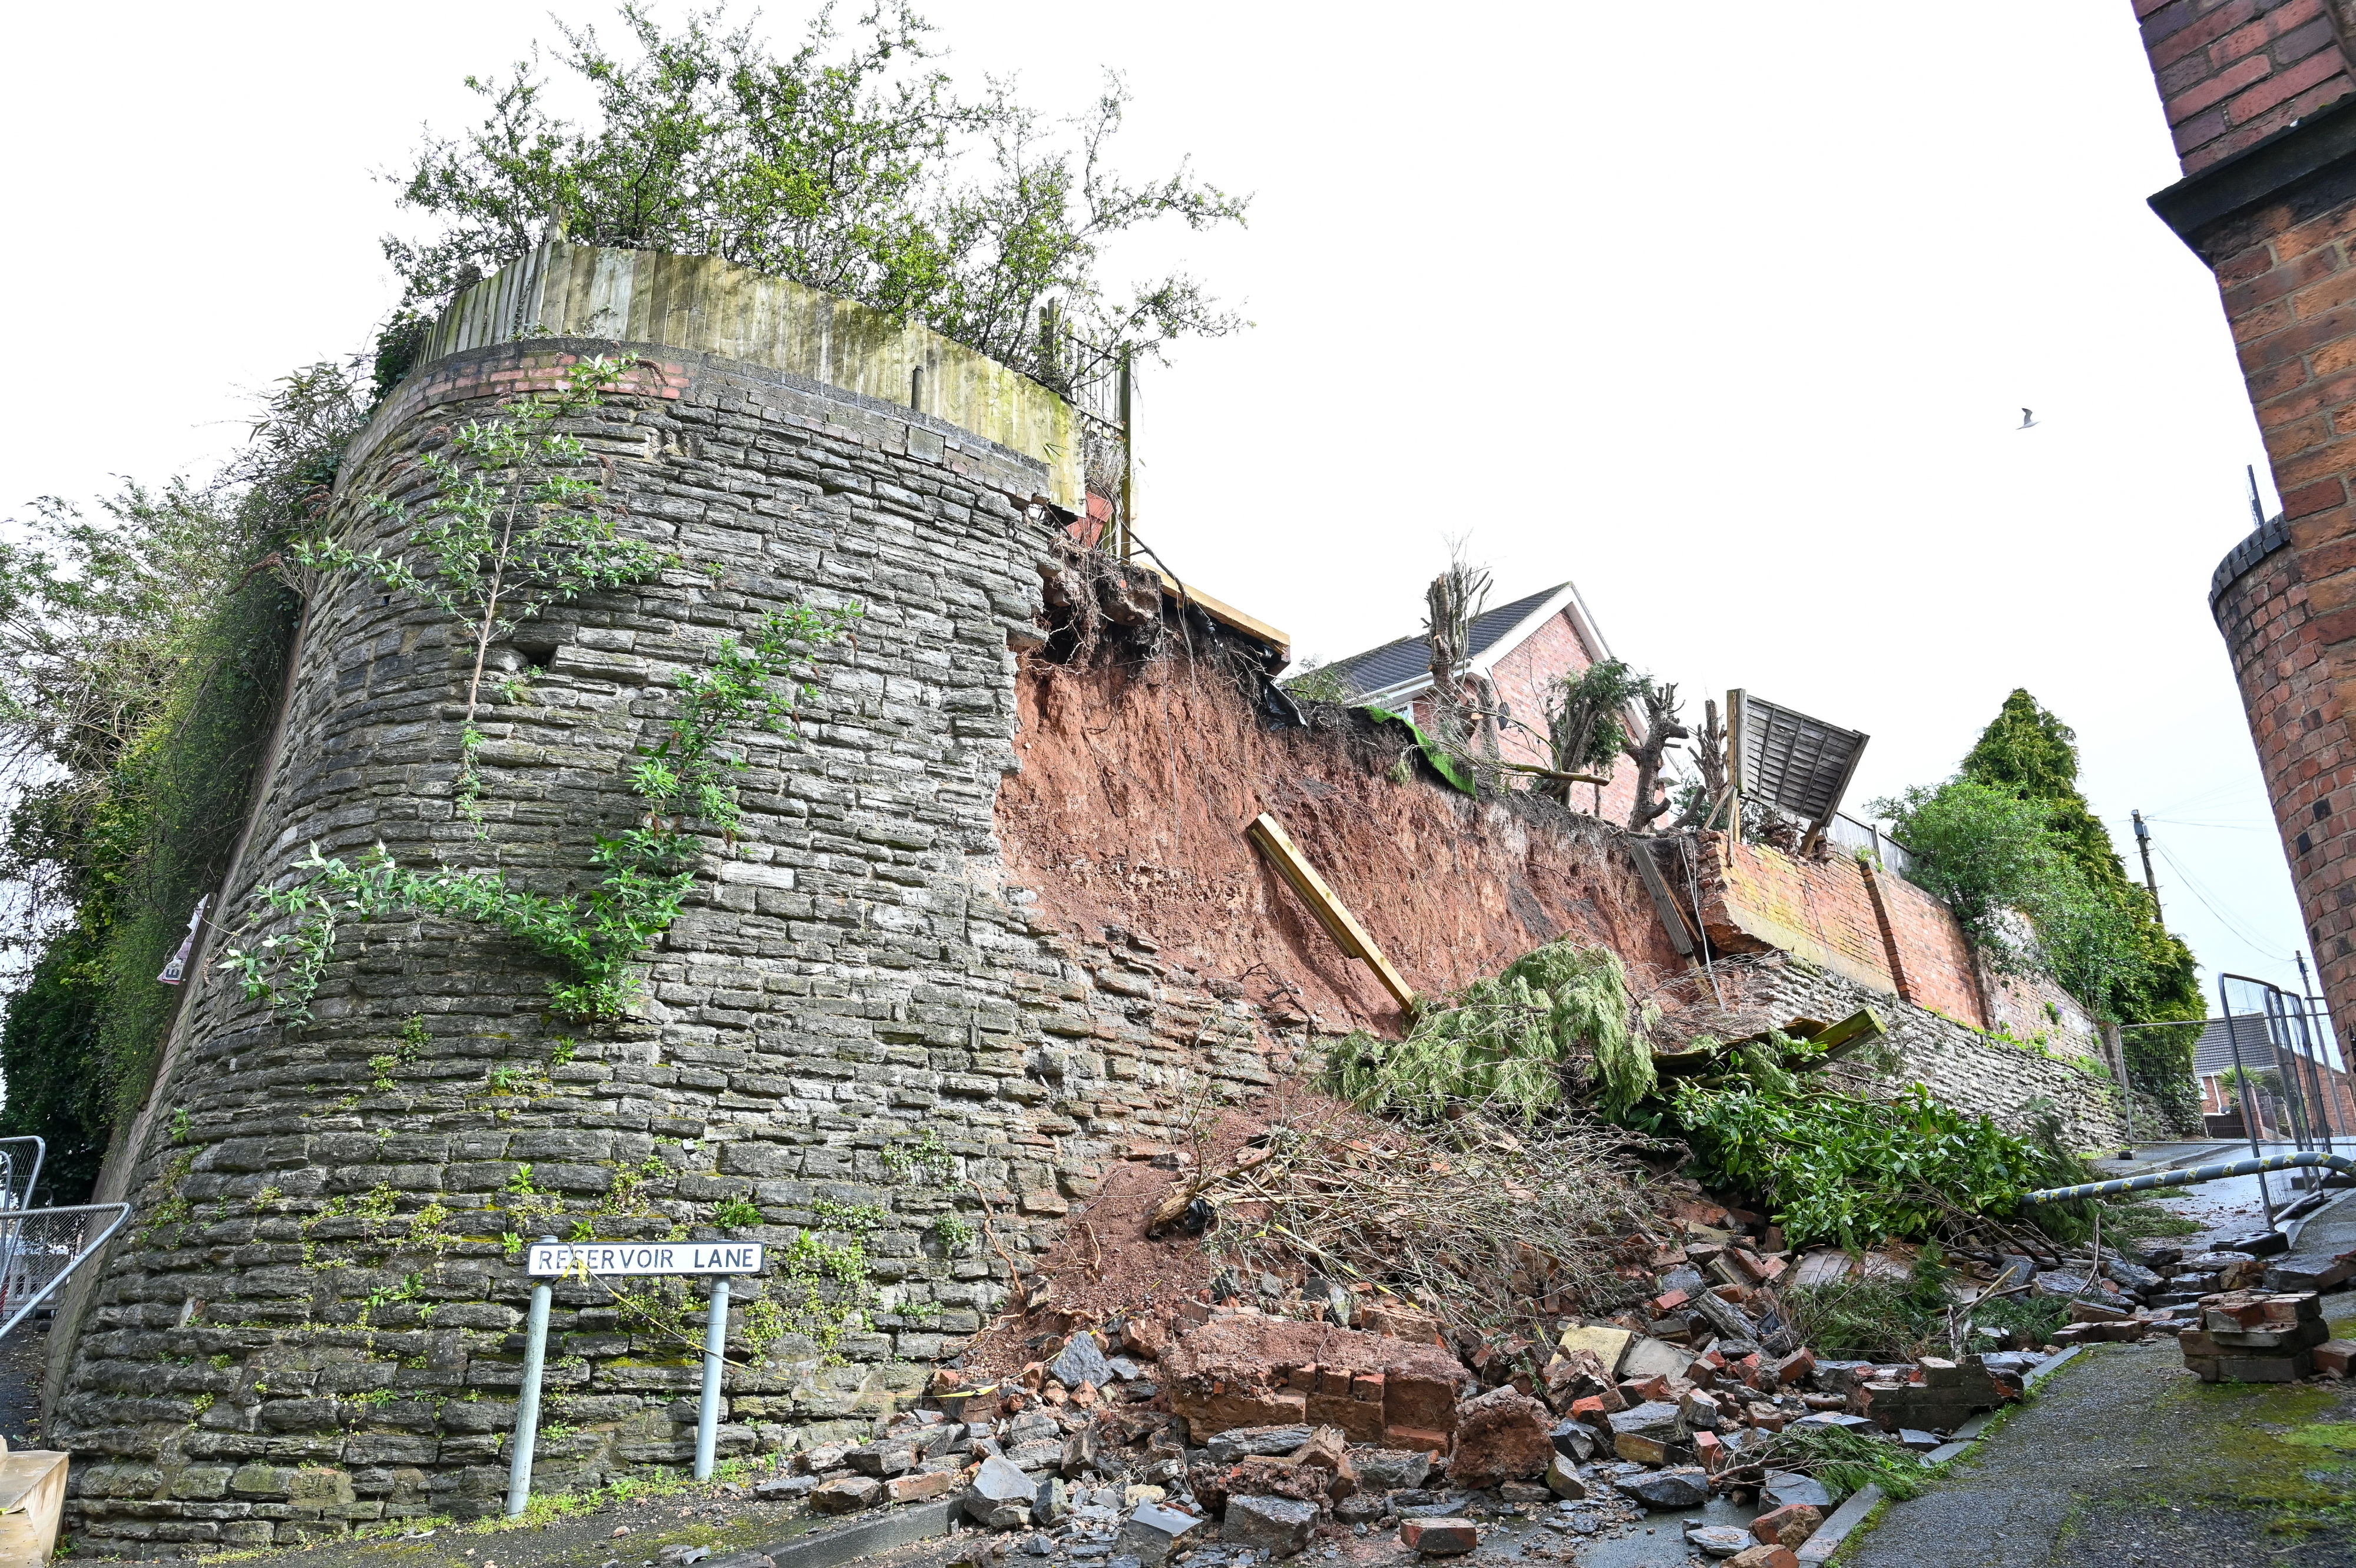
[1293, 865]
[1226, 613]
[1673, 919]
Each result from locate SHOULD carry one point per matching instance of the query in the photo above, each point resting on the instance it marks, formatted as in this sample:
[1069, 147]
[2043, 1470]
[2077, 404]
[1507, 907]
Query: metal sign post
[548, 1259]
[707, 1410]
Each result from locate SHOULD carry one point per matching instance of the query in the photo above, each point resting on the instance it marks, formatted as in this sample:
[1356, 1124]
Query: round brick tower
[2260, 102]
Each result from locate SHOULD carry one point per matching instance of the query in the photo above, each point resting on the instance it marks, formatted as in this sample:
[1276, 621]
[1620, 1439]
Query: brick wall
[1883, 932]
[2277, 232]
[1525, 679]
[1932, 958]
[1963, 1066]
[2232, 72]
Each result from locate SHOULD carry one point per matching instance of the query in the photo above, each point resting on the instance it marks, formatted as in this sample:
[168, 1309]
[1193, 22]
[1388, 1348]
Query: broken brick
[1440, 1537]
[1501, 1436]
[1788, 1526]
[1764, 1557]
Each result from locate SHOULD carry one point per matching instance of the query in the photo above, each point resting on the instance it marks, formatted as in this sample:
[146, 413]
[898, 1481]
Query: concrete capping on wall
[707, 305]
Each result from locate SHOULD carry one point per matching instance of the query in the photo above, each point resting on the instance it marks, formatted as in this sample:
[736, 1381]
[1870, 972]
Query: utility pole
[2143, 842]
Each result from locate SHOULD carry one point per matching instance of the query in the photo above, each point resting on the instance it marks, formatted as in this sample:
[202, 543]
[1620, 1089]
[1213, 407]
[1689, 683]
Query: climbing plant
[510, 529]
[595, 934]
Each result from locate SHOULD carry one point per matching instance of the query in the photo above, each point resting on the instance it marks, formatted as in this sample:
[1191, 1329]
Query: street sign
[546, 1259]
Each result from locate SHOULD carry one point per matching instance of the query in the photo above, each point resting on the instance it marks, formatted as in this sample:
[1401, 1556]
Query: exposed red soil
[1138, 783]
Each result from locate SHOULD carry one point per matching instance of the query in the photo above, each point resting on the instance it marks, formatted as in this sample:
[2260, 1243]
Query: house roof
[2214, 1054]
[1402, 667]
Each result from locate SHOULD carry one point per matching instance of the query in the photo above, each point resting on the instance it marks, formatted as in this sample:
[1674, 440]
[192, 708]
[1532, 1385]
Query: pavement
[2124, 1458]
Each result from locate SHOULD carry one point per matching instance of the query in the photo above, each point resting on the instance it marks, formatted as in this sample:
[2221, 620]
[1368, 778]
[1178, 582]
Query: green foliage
[1317, 682]
[2034, 1318]
[594, 934]
[857, 170]
[2011, 832]
[1557, 1020]
[823, 1290]
[927, 1162]
[507, 532]
[1845, 1461]
[735, 1213]
[142, 654]
[1585, 723]
[956, 1234]
[1834, 1169]
[1874, 1316]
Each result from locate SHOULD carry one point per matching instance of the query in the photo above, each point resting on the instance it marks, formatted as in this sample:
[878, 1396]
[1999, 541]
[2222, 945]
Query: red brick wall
[1820, 910]
[2232, 72]
[1932, 952]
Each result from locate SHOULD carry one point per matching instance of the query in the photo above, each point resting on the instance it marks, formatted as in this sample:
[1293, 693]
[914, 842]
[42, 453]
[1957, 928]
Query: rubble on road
[2252, 1336]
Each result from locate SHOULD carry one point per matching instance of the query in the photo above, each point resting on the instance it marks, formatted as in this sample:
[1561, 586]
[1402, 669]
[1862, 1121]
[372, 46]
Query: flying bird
[2027, 419]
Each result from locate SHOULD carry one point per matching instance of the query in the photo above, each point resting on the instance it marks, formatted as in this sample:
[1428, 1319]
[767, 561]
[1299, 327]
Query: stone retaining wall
[313, 1320]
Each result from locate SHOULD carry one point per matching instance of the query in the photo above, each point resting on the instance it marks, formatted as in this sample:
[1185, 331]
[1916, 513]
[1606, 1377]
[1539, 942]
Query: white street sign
[612, 1258]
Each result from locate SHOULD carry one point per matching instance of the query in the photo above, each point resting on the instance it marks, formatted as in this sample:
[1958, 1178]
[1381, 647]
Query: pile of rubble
[2252, 1337]
[2160, 1289]
[1217, 1433]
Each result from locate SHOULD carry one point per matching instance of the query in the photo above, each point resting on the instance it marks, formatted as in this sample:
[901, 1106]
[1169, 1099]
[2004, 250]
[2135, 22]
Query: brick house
[1524, 648]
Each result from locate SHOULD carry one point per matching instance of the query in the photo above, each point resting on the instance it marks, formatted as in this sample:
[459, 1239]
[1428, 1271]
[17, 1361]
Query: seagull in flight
[2027, 419]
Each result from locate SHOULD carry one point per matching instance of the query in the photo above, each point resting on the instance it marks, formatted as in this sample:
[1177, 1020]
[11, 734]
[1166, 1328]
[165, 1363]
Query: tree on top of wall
[2010, 837]
[858, 169]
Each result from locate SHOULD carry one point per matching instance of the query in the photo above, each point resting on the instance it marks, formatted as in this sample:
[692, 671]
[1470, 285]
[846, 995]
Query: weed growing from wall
[509, 530]
[595, 935]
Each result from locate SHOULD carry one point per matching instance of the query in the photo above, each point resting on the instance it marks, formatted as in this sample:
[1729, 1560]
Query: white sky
[1728, 312]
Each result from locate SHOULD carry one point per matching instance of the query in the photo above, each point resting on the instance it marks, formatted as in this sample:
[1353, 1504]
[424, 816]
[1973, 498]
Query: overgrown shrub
[142, 653]
[1556, 1021]
[1843, 1169]
[848, 164]
[2010, 840]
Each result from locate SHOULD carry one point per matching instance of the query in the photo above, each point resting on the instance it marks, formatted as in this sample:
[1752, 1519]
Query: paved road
[2126, 1459]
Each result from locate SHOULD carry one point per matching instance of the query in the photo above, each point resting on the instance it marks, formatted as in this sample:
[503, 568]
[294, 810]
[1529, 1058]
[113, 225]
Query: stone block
[1607, 1345]
[1277, 1526]
[1152, 1534]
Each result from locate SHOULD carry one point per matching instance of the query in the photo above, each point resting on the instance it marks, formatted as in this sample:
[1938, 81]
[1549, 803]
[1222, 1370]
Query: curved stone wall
[313, 1320]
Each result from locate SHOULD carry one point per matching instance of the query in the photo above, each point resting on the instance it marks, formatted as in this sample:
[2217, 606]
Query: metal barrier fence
[45, 1245]
[2295, 1038]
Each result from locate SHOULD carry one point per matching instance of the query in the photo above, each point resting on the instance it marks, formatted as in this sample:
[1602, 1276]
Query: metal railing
[2295, 1038]
[45, 1245]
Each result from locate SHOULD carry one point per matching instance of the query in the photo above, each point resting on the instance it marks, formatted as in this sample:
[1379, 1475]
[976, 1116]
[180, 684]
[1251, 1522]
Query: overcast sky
[1726, 312]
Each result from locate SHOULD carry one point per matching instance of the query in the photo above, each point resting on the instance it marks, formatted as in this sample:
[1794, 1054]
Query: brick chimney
[2262, 103]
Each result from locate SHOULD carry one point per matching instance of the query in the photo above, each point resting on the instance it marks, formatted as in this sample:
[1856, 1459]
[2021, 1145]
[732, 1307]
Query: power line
[2257, 945]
